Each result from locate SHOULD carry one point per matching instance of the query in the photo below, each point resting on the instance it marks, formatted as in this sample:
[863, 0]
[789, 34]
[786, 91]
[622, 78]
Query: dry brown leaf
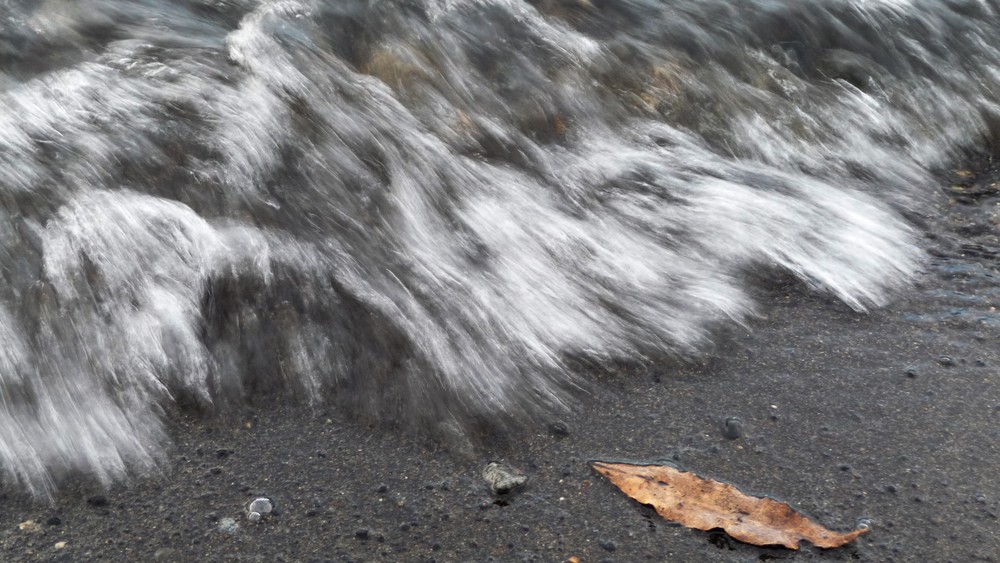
[703, 504]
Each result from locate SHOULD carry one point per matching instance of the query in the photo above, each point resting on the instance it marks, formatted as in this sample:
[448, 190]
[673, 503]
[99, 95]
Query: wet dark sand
[892, 415]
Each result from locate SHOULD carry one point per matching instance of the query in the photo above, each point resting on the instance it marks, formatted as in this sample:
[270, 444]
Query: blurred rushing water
[416, 210]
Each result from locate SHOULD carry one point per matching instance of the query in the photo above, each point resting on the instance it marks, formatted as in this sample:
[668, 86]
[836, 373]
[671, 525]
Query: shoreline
[892, 415]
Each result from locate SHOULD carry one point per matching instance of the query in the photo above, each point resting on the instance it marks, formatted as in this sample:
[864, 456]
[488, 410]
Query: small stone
[361, 534]
[98, 500]
[502, 478]
[559, 429]
[382, 489]
[911, 373]
[60, 545]
[732, 428]
[222, 453]
[946, 361]
[609, 545]
[228, 526]
[53, 521]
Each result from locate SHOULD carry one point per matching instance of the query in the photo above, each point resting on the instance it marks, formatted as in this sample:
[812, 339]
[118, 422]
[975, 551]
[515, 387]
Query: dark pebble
[212, 517]
[222, 453]
[559, 429]
[312, 512]
[891, 489]
[844, 467]
[98, 500]
[53, 521]
[361, 534]
[732, 428]
[609, 545]
[381, 489]
[980, 363]
[911, 373]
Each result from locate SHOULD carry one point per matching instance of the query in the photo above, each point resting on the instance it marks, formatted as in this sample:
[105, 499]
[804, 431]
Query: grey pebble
[732, 428]
[502, 478]
[228, 526]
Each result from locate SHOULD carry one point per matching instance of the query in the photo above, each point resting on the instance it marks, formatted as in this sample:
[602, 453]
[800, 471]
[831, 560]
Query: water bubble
[262, 505]
[258, 507]
[865, 523]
